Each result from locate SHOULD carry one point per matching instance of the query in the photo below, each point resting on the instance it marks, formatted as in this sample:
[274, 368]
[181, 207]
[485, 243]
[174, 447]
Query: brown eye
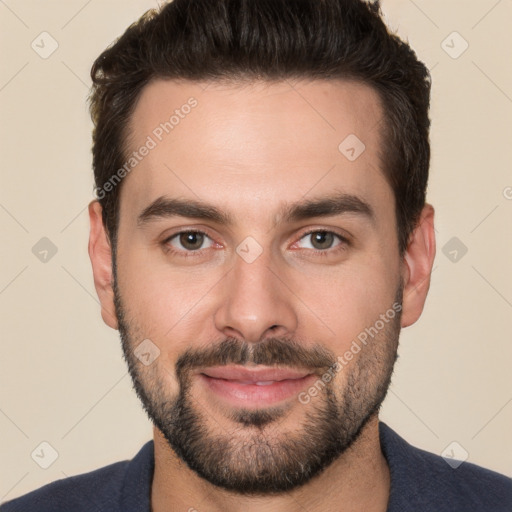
[189, 241]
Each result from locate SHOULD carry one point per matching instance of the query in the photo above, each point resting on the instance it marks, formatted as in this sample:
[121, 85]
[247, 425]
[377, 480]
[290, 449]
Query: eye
[323, 240]
[188, 241]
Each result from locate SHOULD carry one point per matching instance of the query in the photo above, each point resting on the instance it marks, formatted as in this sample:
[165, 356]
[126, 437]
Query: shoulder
[81, 492]
[98, 490]
[426, 481]
[466, 484]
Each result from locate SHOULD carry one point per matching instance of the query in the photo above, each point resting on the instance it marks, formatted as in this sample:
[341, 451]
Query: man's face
[275, 287]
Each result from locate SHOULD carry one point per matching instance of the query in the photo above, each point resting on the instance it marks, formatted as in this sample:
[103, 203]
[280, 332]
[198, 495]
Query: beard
[255, 457]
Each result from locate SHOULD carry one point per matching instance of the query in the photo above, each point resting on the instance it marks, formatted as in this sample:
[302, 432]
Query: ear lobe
[417, 267]
[100, 254]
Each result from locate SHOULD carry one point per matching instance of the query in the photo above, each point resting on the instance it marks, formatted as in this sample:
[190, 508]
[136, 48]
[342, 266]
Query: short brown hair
[271, 40]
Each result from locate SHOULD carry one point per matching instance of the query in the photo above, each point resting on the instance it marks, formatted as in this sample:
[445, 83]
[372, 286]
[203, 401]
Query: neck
[357, 481]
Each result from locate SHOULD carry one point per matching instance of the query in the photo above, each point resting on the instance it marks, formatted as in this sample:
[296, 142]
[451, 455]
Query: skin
[249, 150]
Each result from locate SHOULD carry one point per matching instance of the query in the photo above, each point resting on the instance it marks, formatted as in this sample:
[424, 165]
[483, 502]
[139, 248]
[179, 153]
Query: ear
[101, 258]
[417, 266]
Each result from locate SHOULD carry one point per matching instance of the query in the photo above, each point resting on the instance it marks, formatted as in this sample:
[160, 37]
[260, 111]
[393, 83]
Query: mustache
[271, 352]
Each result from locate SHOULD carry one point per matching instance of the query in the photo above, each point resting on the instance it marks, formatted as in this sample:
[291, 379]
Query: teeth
[260, 383]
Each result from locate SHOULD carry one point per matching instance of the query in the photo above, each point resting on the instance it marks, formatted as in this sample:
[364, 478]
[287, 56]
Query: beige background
[63, 379]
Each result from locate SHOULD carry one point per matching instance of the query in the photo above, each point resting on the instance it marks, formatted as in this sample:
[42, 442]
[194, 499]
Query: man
[259, 239]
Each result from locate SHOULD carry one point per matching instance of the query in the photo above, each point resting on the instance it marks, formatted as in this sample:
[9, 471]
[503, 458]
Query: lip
[240, 373]
[239, 386]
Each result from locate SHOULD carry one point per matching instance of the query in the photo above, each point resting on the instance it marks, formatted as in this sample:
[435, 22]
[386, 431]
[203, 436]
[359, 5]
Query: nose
[256, 302]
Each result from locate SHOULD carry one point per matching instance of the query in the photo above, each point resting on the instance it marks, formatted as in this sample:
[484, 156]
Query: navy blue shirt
[420, 482]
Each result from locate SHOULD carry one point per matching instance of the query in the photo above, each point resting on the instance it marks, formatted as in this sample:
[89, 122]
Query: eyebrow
[329, 206]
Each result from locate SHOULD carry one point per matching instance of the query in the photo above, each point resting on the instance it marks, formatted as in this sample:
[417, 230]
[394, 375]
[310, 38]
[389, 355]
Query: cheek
[348, 300]
[162, 301]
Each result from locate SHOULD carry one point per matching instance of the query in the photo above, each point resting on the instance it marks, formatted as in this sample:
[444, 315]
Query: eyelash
[344, 243]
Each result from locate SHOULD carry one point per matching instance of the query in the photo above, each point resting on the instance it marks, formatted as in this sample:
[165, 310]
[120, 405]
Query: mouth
[253, 388]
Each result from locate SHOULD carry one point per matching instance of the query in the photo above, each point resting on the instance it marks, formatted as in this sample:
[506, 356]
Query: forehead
[241, 145]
